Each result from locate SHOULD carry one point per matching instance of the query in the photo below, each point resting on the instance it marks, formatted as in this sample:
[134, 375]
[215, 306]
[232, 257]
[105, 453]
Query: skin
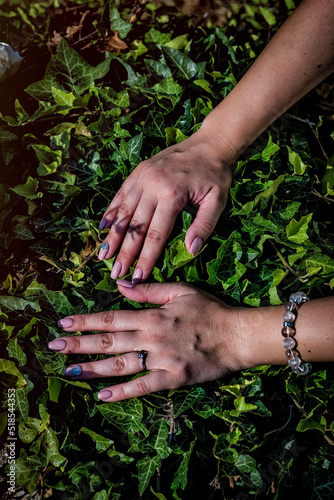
[197, 171]
[211, 339]
[185, 349]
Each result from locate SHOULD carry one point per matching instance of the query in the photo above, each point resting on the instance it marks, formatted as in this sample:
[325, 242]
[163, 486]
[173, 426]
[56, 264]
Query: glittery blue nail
[74, 370]
[104, 246]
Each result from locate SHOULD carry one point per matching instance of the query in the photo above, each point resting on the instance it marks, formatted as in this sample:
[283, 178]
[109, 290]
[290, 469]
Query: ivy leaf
[117, 23]
[156, 37]
[10, 375]
[63, 98]
[28, 190]
[185, 67]
[6, 135]
[223, 449]
[101, 443]
[182, 472]
[126, 416]
[182, 404]
[247, 466]
[297, 231]
[15, 351]
[69, 72]
[146, 469]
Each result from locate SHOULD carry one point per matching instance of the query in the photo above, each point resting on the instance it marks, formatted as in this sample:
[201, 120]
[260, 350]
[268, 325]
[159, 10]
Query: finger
[158, 232]
[116, 366]
[119, 225]
[156, 293]
[107, 321]
[136, 232]
[206, 219]
[100, 343]
[110, 213]
[152, 382]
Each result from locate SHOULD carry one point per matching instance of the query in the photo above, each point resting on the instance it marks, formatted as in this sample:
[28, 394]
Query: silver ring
[143, 356]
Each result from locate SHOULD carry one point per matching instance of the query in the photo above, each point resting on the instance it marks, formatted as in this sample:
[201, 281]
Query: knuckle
[107, 318]
[80, 322]
[120, 193]
[155, 236]
[142, 386]
[206, 226]
[119, 364]
[106, 342]
[136, 226]
[124, 210]
[75, 344]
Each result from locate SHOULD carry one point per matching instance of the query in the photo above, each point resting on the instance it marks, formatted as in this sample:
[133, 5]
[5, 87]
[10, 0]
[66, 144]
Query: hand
[189, 339]
[143, 211]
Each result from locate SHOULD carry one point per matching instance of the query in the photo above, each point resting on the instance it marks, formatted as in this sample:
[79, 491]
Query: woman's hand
[191, 338]
[195, 171]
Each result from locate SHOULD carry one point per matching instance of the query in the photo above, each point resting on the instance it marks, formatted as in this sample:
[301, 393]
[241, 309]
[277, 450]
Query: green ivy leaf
[101, 443]
[185, 67]
[297, 231]
[117, 23]
[69, 72]
[146, 469]
[247, 466]
[127, 416]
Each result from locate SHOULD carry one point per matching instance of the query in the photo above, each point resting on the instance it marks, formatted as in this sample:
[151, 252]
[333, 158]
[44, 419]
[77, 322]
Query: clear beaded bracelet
[288, 331]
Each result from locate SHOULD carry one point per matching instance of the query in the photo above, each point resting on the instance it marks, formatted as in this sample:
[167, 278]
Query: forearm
[299, 56]
[261, 342]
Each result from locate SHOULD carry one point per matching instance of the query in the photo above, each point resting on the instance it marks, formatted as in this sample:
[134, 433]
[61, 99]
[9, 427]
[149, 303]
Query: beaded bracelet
[288, 331]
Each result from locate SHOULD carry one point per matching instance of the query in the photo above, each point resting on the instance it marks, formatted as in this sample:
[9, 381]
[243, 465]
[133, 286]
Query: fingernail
[102, 224]
[65, 323]
[127, 284]
[57, 345]
[103, 251]
[104, 394]
[137, 276]
[74, 370]
[115, 272]
[196, 246]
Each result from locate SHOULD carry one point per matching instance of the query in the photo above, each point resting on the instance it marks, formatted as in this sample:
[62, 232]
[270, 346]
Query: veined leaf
[186, 68]
[69, 72]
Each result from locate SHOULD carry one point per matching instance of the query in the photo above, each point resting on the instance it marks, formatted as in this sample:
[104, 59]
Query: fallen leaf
[72, 30]
[112, 43]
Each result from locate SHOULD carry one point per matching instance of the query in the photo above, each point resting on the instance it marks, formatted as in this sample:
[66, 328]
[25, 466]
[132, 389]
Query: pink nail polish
[116, 270]
[127, 284]
[196, 246]
[65, 323]
[103, 251]
[137, 276]
[104, 394]
[57, 345]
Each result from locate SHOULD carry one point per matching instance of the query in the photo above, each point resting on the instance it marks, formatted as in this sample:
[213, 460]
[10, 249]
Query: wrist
[260, 336]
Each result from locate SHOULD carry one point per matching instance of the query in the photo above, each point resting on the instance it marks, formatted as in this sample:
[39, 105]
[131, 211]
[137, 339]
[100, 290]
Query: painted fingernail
[57, 345]
[103, 251]
[196, 246]
[115, 272]
[65, 323]
[137, 276]
[102, 224]
[73, 370]
[127, 284]
[104, 394]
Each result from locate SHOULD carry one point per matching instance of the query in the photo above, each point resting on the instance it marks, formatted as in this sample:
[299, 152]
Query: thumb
[206, 219]
[156, 293]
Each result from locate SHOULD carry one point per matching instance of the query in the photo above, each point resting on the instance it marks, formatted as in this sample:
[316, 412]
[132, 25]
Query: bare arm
[299, 56]
[192, 338]
[197, 171]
